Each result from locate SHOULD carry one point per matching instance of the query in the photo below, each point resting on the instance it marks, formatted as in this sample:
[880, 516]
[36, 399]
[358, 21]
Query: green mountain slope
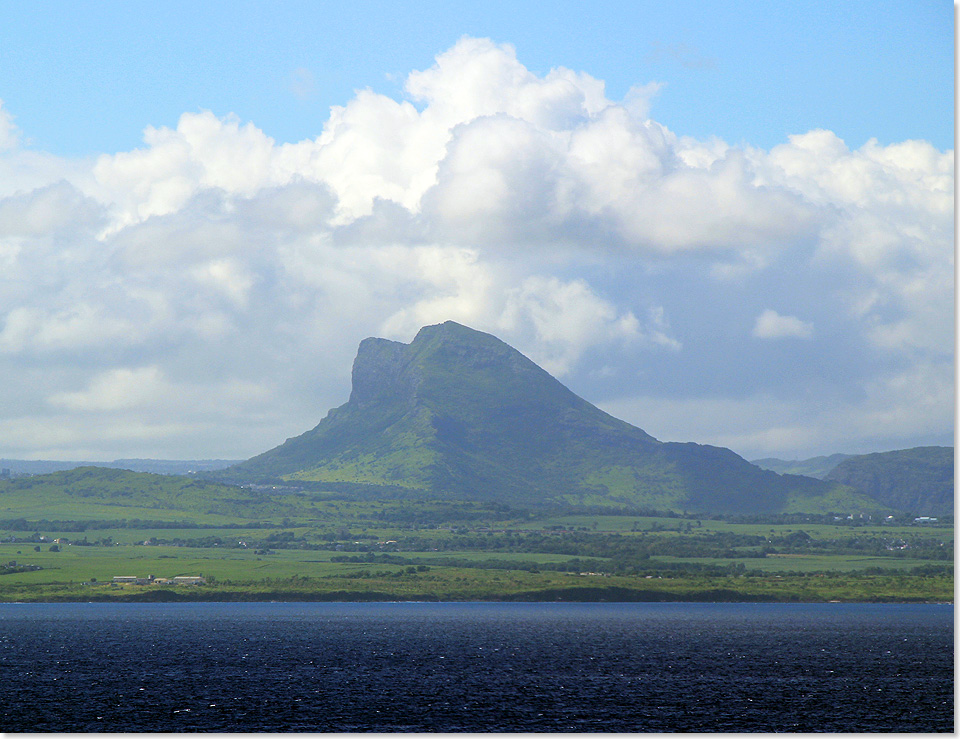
[460, 414]
[918, 480]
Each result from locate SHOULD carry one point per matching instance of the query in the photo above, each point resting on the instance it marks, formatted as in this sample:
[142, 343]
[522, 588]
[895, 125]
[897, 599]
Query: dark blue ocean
[451, 667]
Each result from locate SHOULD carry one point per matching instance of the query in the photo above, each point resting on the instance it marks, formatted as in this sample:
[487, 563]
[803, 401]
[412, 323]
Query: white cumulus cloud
[771, 325]
[117, 389]
[9, 133]
[214, 263]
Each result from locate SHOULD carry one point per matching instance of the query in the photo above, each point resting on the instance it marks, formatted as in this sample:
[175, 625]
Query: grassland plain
[432, 551]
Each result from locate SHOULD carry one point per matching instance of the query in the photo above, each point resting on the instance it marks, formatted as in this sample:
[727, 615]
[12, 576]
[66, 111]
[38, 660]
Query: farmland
[431, 550]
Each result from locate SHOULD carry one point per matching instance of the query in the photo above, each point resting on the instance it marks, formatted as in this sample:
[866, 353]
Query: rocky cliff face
[381, 373]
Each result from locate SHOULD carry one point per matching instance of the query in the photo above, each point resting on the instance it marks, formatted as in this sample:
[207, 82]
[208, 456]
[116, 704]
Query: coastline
[553, 595]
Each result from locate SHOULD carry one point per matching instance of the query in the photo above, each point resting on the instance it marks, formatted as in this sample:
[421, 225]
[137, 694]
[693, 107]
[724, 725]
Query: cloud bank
[203, 295]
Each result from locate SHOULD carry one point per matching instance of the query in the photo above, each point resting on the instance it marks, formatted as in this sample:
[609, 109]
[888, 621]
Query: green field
[402, 550]
[66, 535]
[778, 564]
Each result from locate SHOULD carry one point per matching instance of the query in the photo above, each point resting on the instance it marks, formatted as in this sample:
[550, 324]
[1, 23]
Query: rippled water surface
[475, 667]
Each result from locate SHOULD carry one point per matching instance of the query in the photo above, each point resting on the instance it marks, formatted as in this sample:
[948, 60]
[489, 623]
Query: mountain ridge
[817, 467]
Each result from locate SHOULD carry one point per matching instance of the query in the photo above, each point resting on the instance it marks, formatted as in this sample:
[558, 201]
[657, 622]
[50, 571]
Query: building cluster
[151, 580]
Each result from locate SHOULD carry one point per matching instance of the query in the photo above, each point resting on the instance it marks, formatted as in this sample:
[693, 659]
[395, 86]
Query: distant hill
[457, 413]
[97, 493]
[918, 480]
[814, 467]
[159, 466]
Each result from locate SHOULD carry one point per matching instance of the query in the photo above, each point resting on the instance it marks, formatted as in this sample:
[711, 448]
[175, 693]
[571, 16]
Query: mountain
[159, 466]
[918, 480]
[817, 467]
[457, 413]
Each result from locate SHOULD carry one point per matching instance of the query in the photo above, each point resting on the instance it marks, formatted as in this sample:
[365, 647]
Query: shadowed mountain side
[458, 413]
[918, 480]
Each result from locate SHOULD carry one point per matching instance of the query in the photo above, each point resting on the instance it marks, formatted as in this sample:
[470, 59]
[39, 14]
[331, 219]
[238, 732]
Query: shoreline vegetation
[939, 591]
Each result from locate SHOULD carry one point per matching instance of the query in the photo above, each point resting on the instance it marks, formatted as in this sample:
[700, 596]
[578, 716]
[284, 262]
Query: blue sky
[85, 78]
[729, 223]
